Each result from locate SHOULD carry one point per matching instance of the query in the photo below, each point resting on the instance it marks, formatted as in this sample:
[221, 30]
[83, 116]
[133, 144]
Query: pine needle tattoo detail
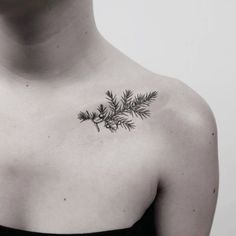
[118, 113]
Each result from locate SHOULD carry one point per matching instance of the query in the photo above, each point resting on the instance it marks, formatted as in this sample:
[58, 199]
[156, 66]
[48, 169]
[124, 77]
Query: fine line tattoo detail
[119, 113]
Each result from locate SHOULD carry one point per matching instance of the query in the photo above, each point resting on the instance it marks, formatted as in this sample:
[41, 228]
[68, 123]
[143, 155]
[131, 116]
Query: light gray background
[194, 41]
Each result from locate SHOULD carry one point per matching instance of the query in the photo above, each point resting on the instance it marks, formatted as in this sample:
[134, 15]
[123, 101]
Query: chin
[13, 7]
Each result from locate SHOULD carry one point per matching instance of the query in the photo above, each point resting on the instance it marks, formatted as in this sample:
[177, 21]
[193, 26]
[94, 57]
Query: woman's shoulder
[173, 95]
[178, 108]
[179, 104]
[186, 122]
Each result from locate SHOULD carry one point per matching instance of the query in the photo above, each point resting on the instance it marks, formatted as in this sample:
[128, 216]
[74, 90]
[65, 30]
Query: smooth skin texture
[58, 175]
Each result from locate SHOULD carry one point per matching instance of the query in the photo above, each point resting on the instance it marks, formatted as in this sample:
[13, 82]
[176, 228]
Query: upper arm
[188, 187]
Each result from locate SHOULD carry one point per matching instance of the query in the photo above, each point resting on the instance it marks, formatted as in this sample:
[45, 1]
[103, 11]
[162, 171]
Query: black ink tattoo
[117, 113]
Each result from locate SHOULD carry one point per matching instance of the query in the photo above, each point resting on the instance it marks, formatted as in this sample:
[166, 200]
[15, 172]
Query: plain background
[194, 41]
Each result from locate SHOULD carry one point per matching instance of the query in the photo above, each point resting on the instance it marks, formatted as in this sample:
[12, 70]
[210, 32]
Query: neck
[50, 39]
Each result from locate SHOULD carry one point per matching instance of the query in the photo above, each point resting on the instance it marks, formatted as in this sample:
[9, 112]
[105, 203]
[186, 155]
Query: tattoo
[118, 113]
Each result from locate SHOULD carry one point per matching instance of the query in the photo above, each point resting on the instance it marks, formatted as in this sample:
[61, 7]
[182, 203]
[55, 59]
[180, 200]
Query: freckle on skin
[213, 134]
[27, 85]
[194, 210]
[214, 191]
[64, 199]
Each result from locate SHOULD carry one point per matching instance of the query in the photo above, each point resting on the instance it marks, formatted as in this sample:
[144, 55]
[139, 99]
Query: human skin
[54, 64]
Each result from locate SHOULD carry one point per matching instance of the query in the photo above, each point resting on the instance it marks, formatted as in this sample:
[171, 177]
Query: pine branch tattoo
[118, 113]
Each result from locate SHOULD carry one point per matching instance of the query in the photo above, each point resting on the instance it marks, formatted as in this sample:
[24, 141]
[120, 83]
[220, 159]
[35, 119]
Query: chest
[56, 166]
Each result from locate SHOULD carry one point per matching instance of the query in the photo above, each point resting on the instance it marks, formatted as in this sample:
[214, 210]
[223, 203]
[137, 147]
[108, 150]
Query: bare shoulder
[179, 111]
[179, 114]
[186, 124]
[175, 98]
[186, 157]
[182, 109]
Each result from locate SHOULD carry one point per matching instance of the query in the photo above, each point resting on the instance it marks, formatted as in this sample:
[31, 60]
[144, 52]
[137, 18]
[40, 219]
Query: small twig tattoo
[117, 113]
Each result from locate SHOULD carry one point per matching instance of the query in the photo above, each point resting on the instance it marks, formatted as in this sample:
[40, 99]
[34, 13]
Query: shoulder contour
[186, 126]
[183, 115]
[193, 109]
